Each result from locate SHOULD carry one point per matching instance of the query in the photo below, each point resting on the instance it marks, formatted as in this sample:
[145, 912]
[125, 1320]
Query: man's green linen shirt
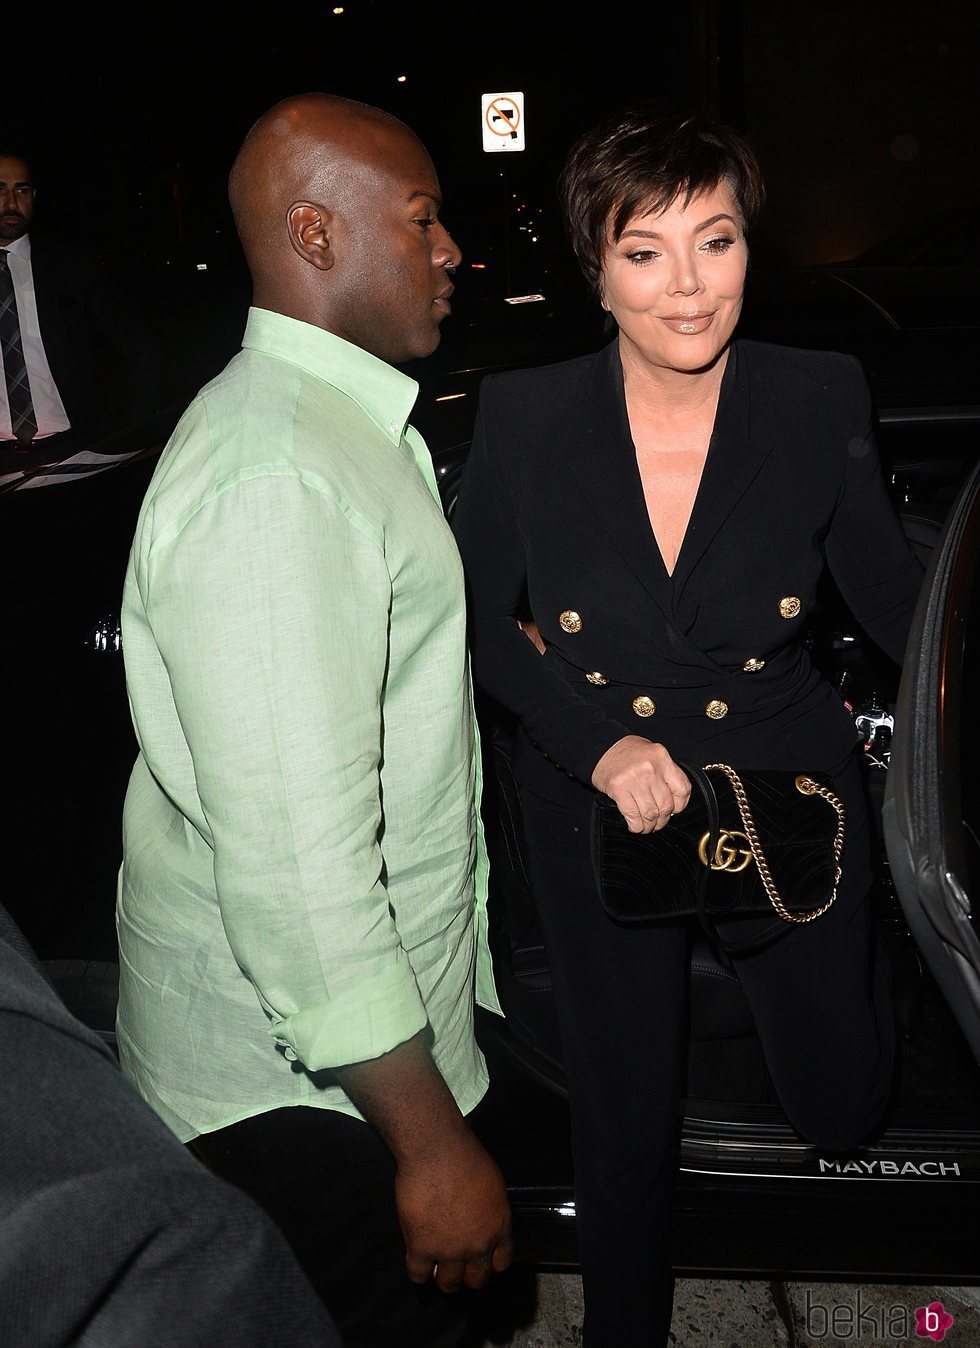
[304, 879]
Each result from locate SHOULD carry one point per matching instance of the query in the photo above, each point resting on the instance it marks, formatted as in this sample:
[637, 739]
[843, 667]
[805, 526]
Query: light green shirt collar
[383, 393]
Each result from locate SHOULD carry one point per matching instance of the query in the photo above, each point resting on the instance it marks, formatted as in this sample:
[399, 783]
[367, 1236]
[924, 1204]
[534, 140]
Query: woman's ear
[309, 233]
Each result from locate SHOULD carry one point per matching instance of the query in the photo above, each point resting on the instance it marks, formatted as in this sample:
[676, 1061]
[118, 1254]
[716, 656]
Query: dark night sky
[177, 104]
[865, 115]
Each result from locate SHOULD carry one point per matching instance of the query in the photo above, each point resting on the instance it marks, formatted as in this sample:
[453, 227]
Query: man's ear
[309, 233]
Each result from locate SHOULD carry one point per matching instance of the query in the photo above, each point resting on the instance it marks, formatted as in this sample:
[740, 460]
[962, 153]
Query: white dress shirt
[49, 410]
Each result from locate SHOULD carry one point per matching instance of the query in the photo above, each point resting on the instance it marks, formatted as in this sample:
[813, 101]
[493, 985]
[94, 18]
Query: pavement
[544, 1310]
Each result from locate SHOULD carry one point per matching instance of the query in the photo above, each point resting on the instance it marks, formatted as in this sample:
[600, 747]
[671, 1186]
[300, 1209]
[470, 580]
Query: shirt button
[754, 664]
[789, 606]
[716, 709]
[393, 426]
[644, 706]
[596, 679]
[570, 621]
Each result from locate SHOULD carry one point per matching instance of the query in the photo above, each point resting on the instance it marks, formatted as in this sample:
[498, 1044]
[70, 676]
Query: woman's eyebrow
[652, 234]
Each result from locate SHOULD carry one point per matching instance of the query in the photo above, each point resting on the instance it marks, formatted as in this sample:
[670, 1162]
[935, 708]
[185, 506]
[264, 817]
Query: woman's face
[674, 280]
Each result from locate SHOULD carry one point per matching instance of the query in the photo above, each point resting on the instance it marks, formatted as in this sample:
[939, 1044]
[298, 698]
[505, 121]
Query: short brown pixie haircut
[641, 159]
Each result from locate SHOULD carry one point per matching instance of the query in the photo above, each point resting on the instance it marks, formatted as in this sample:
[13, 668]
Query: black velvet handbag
[747, 845]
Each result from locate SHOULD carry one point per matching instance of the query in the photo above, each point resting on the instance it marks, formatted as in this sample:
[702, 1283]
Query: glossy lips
[689, 324]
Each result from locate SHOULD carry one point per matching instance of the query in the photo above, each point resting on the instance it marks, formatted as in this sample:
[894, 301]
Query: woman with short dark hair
[664, 509]
[639, 162]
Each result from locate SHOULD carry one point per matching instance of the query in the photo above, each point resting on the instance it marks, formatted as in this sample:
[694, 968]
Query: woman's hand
[644, 781]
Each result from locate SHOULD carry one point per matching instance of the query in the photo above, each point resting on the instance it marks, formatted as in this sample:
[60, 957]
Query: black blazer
[104, 356]
[551, 521]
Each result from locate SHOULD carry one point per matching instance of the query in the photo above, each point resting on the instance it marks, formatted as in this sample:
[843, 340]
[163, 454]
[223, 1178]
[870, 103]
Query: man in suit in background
[93, 365]
[78, 363]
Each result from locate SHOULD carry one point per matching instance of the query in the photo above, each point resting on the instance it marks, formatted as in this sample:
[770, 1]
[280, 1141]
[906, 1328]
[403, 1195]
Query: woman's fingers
[652, 818]
[644, 781]
[679, 785]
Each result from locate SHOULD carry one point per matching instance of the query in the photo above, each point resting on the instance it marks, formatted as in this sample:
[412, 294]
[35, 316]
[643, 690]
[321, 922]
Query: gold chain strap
[807, 787]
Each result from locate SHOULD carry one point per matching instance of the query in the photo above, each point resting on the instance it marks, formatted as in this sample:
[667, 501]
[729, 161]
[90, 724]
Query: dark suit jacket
[551, 519]
[110, 1231]
[105, 359]
[63, 550]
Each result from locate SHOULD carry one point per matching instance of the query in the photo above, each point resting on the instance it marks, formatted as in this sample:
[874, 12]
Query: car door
[930, 814]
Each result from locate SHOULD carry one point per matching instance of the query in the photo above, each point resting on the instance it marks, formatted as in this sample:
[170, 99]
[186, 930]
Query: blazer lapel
[602, 457]
[603, 460]
[733, 462]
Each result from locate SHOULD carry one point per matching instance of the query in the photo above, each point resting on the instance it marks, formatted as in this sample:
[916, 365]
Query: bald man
[301, 906]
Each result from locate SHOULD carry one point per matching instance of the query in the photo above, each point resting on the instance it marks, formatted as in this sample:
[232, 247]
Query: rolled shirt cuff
[361, 1023]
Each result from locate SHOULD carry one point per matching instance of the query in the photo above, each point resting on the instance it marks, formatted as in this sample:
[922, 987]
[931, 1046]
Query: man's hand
[451, 1199]
[455, 1217]
[644, 781]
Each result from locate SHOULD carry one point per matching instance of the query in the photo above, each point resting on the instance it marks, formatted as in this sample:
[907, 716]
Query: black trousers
[823, 1016]
[327, 1180]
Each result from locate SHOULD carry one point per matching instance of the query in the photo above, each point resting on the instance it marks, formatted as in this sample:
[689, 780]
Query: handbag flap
[703, 861]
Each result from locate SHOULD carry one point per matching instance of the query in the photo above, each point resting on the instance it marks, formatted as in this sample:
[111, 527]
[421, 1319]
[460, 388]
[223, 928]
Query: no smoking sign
[503, 122]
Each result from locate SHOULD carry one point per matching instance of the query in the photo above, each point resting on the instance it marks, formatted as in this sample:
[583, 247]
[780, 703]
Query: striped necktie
[23, 422]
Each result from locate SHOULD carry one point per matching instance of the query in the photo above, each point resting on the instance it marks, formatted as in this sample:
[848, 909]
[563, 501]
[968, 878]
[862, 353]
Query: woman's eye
[641, 256]
[719, 245]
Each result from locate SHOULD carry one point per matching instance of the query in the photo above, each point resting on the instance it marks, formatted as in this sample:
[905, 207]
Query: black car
[904, 1207]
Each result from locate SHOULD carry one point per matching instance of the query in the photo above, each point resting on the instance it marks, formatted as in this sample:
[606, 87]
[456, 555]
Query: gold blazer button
[644, 706]
[596, 679]
[789, 607]
[716, 709]
[570, 621]
[754, 664]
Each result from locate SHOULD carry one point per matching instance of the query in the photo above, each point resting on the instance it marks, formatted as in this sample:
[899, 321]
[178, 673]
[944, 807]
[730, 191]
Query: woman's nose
[685, 278]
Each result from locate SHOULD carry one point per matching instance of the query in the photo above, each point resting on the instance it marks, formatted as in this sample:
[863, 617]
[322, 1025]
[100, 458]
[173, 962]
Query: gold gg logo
[728, 856]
